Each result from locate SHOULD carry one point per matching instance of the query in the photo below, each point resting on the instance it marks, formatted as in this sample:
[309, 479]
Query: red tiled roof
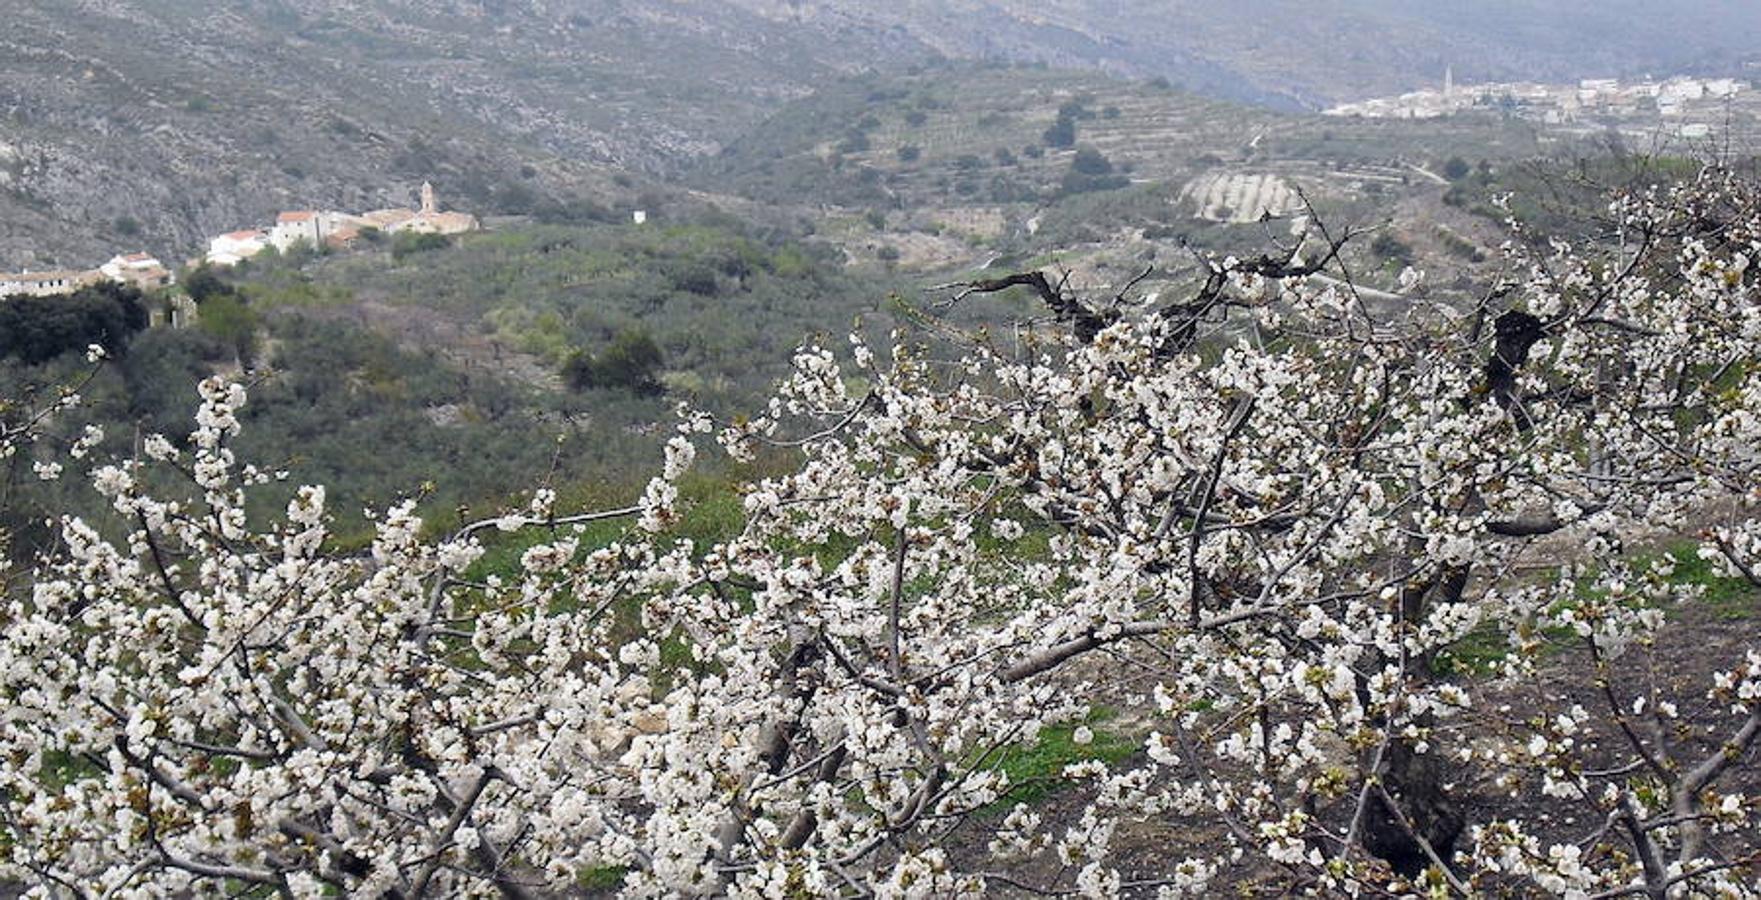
[298, 216]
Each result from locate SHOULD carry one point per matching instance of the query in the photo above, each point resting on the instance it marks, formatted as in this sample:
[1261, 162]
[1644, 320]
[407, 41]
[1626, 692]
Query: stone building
[429, 219]
[296, 226]
[46, 283]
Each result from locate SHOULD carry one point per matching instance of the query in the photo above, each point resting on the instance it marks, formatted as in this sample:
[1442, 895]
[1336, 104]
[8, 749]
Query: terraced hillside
[983, 134]
[963, 166]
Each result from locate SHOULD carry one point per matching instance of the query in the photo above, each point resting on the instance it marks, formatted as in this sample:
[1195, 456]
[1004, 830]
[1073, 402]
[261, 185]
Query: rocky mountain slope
[150, 124]
[156, 122]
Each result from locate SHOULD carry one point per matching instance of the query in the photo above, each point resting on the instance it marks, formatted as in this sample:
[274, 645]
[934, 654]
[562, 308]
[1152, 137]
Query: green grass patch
[602, 878]
[1478, 653]
[1728, 598]
[1036, 770]
[711, 511]
[61, 769]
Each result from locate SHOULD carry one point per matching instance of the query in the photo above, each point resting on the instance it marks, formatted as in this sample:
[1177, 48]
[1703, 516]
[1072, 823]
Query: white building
[1723, 87]
[142, 270]
[1681, 90]
[234, 247]
[46, 283]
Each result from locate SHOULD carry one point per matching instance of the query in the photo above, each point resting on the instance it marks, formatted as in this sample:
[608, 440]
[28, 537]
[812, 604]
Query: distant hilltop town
[337, 230]
[311, 228]
[1561, 104]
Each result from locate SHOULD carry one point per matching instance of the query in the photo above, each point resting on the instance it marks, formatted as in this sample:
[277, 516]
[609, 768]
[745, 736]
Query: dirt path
[1430, 174]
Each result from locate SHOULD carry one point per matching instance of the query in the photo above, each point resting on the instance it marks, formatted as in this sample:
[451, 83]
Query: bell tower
[429, 205]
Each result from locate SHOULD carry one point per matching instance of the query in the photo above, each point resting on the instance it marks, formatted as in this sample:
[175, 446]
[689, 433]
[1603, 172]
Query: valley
[1128, 449]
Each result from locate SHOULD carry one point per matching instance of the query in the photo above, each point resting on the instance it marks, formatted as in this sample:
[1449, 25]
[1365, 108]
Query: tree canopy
[631, 362]
[37, 329]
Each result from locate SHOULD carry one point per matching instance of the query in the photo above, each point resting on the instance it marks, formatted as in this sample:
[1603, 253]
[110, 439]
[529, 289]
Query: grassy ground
[1718, 596]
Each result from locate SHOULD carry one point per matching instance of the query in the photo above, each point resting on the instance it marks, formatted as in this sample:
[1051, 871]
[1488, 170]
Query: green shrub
[1392, 249]
[853, 142]
[227, 318]
[1090, 170]
[1089, 161]
[1061, 134]
[407, 243]
[632, 363]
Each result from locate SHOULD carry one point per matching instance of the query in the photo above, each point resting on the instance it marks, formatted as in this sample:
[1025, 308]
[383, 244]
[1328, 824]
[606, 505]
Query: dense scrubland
[450, 360]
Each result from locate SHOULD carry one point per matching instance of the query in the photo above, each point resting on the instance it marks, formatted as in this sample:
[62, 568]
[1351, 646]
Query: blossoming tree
[1266, 513]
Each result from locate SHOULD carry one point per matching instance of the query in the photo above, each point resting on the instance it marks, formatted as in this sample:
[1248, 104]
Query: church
[429, 219]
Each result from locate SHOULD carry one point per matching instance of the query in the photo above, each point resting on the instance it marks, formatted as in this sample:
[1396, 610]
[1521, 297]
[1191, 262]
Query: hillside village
[337, 230]
[318, 229]
[1687, 108]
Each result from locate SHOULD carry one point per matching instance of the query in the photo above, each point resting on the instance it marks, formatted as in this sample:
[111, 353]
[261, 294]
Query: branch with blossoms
[1261, 519]
[24, 421]
[247, 707]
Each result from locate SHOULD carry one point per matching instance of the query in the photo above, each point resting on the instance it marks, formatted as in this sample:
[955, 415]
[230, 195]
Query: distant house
[293, 227]
[47, 283]
[320, 229]
[342, 237]
[430, 220]
[234, 247]
[141, 270]
[1682, 90]
[442, 223]
[1723, 87]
